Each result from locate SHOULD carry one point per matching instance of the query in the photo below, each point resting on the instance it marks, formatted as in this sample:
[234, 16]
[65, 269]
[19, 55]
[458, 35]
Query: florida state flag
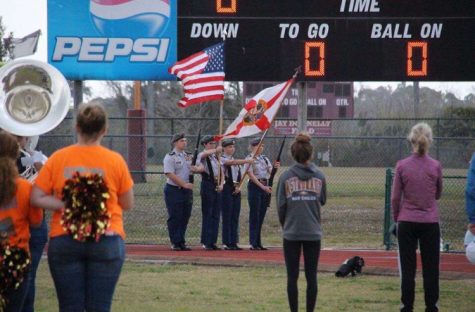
[258, 114]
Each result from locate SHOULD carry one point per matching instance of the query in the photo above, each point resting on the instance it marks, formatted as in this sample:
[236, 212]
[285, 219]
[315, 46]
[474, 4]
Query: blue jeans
[85, 274]
[38, 239]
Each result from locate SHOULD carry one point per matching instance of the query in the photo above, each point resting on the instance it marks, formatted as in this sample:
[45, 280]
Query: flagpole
[221, 102]
[253, 155]
[221, 114]
[218, 155]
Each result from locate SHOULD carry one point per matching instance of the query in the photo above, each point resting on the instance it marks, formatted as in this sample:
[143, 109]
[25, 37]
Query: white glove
[39, 157]
[27, 161]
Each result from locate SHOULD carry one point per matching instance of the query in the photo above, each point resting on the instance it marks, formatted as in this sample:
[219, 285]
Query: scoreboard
[334, 40]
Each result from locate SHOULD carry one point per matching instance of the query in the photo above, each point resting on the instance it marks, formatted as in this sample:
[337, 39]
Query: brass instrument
[34, 97]
[30, 173]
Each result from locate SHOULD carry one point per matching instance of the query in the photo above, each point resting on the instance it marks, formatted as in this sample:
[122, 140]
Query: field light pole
[302, 106]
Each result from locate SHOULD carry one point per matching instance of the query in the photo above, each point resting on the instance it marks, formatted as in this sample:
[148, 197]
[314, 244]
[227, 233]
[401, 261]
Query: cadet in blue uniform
[231, 196]
[178, 191]
[210, 193]
[257, 189]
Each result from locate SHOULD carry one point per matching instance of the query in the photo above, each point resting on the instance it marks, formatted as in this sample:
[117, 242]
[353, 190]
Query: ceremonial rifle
[274, 171]
[253, 156]
[191, 178]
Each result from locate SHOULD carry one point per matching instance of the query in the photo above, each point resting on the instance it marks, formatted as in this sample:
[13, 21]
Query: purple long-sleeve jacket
[470, 192]
[417, 186]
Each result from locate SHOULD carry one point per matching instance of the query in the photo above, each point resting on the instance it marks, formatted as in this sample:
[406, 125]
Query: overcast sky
[23, 17]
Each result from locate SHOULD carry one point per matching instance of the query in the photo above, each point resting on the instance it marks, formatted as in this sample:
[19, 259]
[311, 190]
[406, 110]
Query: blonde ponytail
[420, 138]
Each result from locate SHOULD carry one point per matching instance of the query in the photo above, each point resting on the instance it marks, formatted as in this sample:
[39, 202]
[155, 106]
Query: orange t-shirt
[17, 216]
[87, 160]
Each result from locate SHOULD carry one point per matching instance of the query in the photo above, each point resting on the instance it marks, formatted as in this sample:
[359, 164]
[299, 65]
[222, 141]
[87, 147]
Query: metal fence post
[387, 209]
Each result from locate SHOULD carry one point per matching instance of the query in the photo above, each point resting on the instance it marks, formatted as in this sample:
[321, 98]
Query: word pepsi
[100, 49]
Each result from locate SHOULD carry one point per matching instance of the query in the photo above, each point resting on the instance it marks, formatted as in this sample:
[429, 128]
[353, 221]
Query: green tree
[3, 47]
[461, 128]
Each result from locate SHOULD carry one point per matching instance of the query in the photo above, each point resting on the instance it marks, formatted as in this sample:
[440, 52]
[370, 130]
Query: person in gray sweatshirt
[301, 192]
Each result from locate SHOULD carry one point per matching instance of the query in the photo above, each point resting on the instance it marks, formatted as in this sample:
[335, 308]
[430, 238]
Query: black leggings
[311, 253]
[427, 236]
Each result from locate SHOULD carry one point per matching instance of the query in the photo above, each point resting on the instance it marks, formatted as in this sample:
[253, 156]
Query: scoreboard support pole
[416, 99]
[77, 99]
[136, 131]
[302, 106]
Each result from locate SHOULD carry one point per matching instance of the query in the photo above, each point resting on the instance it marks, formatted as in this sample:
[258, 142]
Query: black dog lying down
[351, 265]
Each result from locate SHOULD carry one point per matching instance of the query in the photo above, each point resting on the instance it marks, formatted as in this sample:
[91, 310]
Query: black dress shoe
[262, 247]
[228, 247]
[184, 247]
[215, 247]
[236, 247]
[176, 247]
[208, 247]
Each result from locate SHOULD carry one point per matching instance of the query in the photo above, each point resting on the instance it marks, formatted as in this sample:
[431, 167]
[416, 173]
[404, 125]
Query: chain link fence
[354, 159]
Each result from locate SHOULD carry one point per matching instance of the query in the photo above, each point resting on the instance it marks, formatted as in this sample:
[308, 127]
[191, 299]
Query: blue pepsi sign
[113, 39]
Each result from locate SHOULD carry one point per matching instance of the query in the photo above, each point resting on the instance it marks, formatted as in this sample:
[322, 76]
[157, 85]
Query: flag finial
[298, 70]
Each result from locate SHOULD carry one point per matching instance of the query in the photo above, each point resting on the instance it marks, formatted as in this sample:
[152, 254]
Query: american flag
[202, 74]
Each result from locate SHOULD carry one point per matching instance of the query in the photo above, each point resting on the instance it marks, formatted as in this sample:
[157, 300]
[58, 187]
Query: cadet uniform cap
[177, 137]
[255, 141]
[206, 139]
[227, 142]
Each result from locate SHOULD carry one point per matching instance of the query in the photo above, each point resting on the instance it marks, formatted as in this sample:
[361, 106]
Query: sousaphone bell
[34, 97]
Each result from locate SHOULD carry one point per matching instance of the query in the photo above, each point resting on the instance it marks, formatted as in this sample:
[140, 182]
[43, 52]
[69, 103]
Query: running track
[453, 266]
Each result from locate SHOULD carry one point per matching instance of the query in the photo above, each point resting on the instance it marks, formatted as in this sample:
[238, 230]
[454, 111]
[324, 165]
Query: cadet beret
[227, 142]
[206, 139]
[177, 136]
[254, 141]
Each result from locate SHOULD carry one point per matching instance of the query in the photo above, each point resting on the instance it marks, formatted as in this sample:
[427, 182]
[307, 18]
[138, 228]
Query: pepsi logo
[130, 18]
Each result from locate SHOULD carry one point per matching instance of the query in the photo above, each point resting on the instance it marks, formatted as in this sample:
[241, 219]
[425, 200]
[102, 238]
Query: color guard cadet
[178, 191]
[257, 188]
[210, 192]
[231, 196]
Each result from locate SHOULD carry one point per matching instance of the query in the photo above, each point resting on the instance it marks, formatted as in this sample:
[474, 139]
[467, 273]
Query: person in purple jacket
[416, 189]
[470, 196]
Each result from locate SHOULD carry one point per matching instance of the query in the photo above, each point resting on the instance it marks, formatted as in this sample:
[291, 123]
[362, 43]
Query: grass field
[353, 216]
[181, 288]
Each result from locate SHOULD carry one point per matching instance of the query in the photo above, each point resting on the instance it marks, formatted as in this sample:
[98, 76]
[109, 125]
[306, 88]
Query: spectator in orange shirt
[16, 214]
[29, 163]
[85, 273]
